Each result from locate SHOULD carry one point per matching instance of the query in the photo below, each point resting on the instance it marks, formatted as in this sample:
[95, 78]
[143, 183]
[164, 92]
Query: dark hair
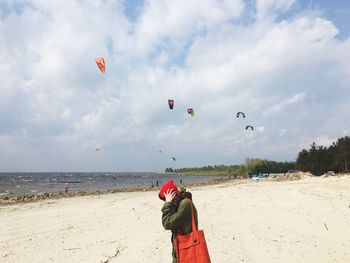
[161, 197]
[176, 202]
[177, 199]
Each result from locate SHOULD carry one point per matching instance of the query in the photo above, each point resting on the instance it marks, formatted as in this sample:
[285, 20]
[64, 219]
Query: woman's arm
[174, 220]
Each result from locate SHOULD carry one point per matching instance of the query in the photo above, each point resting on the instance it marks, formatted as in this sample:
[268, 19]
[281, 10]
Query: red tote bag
[192, 248]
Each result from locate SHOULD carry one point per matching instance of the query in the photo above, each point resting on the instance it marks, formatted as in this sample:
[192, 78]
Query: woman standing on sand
[177, 211]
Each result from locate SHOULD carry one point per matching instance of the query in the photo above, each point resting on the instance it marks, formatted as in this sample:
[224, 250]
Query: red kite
[101, 64]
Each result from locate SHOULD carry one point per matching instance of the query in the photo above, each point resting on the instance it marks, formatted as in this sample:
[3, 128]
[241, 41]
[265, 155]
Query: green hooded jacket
[179, 221]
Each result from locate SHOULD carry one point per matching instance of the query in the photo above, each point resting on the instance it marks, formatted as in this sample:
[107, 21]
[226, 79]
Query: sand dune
[262, 221]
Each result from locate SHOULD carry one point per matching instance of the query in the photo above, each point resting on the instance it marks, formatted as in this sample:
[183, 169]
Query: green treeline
[317, 160]
[251, 166]
[320, 159]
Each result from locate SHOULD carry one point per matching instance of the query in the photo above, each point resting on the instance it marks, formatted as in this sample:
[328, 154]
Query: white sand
[252, 222]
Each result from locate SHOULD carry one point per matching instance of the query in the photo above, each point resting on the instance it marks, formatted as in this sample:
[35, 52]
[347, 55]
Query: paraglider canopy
[100, 61]
[240, 113]
[249, 126]
[171, 104]
[190, 111]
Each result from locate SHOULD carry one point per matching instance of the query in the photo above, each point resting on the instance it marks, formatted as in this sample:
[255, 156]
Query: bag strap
[194, 227]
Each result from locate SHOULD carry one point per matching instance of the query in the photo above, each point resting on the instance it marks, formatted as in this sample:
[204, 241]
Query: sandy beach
[306, 220]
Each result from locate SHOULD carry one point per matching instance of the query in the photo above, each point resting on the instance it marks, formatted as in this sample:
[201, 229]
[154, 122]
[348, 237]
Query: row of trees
[320, 159]
[255, 166]
[251, 166]
[210, 168]
[317, 160]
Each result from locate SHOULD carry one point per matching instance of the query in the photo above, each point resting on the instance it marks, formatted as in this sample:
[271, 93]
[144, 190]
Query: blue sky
[285, 63]
[337, 11]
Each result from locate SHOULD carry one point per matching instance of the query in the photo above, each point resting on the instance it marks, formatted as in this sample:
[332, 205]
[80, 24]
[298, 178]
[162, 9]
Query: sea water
[38, 183]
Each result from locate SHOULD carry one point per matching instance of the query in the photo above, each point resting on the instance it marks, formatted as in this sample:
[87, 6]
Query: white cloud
[260, 129]
[282, 132]
[196, 52]
[270, 7]
[178, 20]
[324, 140]
[295, 99]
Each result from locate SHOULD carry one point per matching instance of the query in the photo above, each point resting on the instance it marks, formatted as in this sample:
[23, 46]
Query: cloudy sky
[285, 63]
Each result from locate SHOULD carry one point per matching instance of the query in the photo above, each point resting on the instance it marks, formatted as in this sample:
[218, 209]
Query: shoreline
[10, 200]
[15, 199]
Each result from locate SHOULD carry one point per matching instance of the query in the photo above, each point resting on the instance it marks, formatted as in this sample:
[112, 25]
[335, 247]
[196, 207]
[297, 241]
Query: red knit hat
[168, 185]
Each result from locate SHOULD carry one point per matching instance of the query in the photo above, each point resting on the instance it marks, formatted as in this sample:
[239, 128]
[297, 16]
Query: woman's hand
[169, 195]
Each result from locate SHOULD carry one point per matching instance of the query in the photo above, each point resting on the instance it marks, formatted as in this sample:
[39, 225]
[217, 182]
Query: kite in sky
[240, 113]
[190, 111]
[171, 104]
[100, 61]
[249, 126]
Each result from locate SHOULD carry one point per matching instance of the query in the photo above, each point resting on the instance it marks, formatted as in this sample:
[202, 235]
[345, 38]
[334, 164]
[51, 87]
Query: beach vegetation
[320, 159]
[317, 160]
[252, 166]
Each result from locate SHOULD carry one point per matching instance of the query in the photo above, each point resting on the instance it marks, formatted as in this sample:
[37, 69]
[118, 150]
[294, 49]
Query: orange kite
[101, 64]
